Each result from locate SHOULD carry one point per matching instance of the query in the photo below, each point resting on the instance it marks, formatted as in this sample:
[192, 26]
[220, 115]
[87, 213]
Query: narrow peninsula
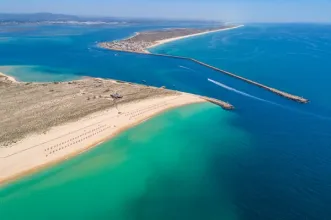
[141, 42]
[43, 123]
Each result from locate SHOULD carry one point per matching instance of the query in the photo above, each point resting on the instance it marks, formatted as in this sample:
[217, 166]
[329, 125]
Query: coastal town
[140, 42]
[128, 45]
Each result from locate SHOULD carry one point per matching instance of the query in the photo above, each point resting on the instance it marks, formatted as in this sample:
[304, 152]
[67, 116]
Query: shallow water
[287, 176]
[275, 164]
[134, 177]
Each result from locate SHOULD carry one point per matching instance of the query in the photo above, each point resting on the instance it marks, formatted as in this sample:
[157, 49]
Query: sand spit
[142, 41]
[160, 42]
[43, 123]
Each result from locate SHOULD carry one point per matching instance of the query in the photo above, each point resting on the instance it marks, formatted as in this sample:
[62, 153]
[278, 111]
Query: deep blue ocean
[282, 169]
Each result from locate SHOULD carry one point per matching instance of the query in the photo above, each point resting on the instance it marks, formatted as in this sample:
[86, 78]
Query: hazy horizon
[225, 10]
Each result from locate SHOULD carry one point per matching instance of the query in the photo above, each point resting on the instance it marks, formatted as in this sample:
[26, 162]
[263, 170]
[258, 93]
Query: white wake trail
[273, 103]
[184, 67]
[240, 92]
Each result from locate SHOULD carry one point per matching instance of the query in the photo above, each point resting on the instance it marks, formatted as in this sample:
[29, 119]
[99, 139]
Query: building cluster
[127, 45]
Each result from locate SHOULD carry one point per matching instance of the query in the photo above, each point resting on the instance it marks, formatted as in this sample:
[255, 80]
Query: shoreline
[8, 78]
[222, 104]
[61, 142]
[132, 36]
[157, 43]
[16, 164]
[144, 50]
[165, 41]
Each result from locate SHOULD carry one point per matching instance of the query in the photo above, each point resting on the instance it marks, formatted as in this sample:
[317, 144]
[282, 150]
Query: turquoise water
[26, 73]
[276, 164]
[135, 177]
[286, 56]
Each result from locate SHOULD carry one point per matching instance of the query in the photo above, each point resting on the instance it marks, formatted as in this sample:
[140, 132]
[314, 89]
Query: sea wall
[270, 89]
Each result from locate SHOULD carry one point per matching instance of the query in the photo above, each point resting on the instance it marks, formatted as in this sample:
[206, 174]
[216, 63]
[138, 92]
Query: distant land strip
[141, 42]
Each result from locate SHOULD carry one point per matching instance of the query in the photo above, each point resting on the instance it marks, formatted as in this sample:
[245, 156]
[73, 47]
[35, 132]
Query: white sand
[6, 77]
[65, 141]
[160, 42]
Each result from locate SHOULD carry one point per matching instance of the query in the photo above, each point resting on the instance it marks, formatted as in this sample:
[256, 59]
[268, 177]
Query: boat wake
[270, 102]
[240, 92]
[184, 67]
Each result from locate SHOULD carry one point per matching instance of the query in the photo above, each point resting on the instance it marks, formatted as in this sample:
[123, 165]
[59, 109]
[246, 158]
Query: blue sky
[227, 10]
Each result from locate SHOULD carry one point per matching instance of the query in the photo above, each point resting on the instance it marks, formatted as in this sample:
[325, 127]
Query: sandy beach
[33, 135]
[140, 42]
[7, 78]
[160, 42]
[146, 40]
[44, 123]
